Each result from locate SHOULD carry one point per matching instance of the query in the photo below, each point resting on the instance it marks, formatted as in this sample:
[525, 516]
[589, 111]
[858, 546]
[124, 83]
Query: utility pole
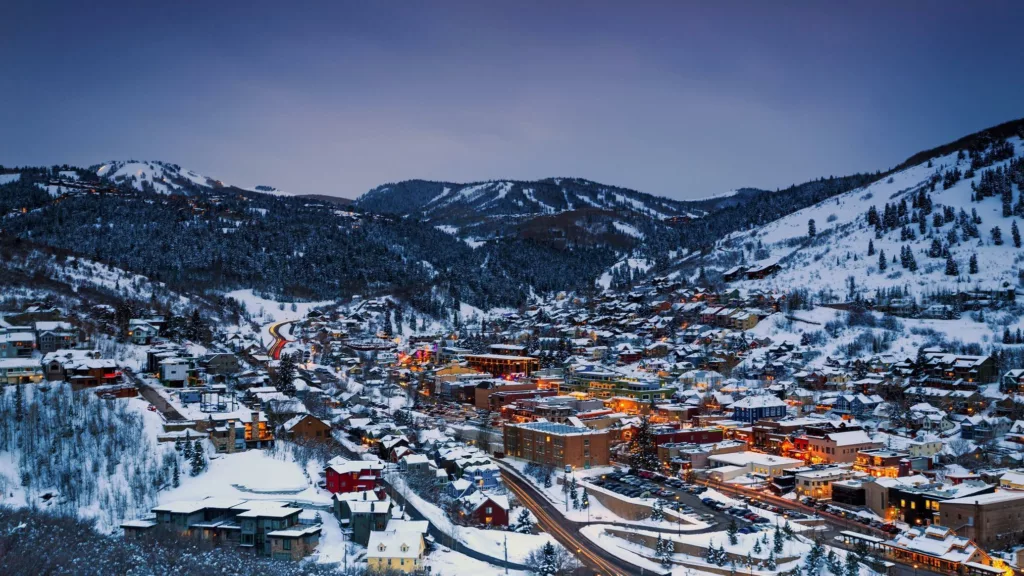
[506, 554]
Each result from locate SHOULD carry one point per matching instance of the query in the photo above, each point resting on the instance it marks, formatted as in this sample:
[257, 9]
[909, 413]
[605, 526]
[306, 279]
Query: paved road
[566, 532]
[170, 413]
[279, 341]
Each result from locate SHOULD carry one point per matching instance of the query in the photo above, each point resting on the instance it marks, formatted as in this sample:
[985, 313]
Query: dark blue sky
[677, 98]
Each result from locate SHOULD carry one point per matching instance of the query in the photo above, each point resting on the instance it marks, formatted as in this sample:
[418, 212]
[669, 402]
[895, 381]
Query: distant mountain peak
[168, 178]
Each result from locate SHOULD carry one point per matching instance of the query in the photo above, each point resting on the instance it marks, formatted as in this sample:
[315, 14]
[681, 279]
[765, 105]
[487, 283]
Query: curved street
[279, 341]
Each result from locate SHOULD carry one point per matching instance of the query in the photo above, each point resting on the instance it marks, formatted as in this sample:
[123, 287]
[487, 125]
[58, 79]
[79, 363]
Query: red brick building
[353, 475]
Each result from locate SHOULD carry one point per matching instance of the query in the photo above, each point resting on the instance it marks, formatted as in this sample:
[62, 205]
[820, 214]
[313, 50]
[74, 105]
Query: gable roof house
[398, 550]
[479, 508]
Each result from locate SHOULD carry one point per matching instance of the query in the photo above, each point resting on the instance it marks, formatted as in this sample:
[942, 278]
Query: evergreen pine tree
[176, 474]
[882, 262]
[813, 560]
[997, 236]
[972, 266]
[284, 378]
[811, 230]
[1015, 232]
[871, 247]
[658, 510]
[523, 524]
[951, 268]
[584, 499]
[835, 566]
[770, 562]
[198, 462]
[549, 565]
[852, 568]
[643, 451]
[733, 529]
[19, 403]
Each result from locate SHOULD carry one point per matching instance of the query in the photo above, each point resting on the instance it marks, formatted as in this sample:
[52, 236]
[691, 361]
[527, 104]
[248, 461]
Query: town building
[838, 447]
[880, 463]
[992, 520]
[557, 445]
[396, 549]
[353, 475]
[818, 483]
[758, 407]
[725, 467]
[307, 427]
[17, 344]
[269, 528]
[481, 509]
[502, 365]
[20, 371]
[55, 335]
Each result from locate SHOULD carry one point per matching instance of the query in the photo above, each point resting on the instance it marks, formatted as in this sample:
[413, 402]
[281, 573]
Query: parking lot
[749, 513]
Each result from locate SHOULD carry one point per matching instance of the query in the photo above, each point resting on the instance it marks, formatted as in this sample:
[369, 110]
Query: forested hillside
[232, 238]
[434, 244]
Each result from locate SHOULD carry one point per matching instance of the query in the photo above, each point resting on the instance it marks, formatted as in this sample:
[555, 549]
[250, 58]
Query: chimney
[231, 436]
[255, 425]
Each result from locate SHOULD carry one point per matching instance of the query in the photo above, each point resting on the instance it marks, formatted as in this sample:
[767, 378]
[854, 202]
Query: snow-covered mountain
[440, 200]
[959, 204]
[499, 207]
[167, 178]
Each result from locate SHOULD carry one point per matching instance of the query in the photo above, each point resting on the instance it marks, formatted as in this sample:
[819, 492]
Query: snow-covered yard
[252, 475]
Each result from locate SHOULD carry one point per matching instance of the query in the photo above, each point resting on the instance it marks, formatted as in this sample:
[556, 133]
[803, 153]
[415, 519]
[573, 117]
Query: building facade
[557, 445]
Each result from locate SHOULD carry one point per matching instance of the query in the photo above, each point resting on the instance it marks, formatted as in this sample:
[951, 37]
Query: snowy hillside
[929, 236]
[438, 200]
[167, 178]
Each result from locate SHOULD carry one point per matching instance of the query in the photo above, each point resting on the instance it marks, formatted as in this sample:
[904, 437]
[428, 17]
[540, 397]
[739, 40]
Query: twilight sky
[682, 99]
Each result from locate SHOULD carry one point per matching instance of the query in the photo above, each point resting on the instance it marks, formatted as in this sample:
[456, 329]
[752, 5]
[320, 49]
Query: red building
[353, 476]
[479, 509]
[689, 435]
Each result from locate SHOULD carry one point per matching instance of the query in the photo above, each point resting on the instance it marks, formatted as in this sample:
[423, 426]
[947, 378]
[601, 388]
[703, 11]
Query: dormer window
[381, 547]
[405, 547]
